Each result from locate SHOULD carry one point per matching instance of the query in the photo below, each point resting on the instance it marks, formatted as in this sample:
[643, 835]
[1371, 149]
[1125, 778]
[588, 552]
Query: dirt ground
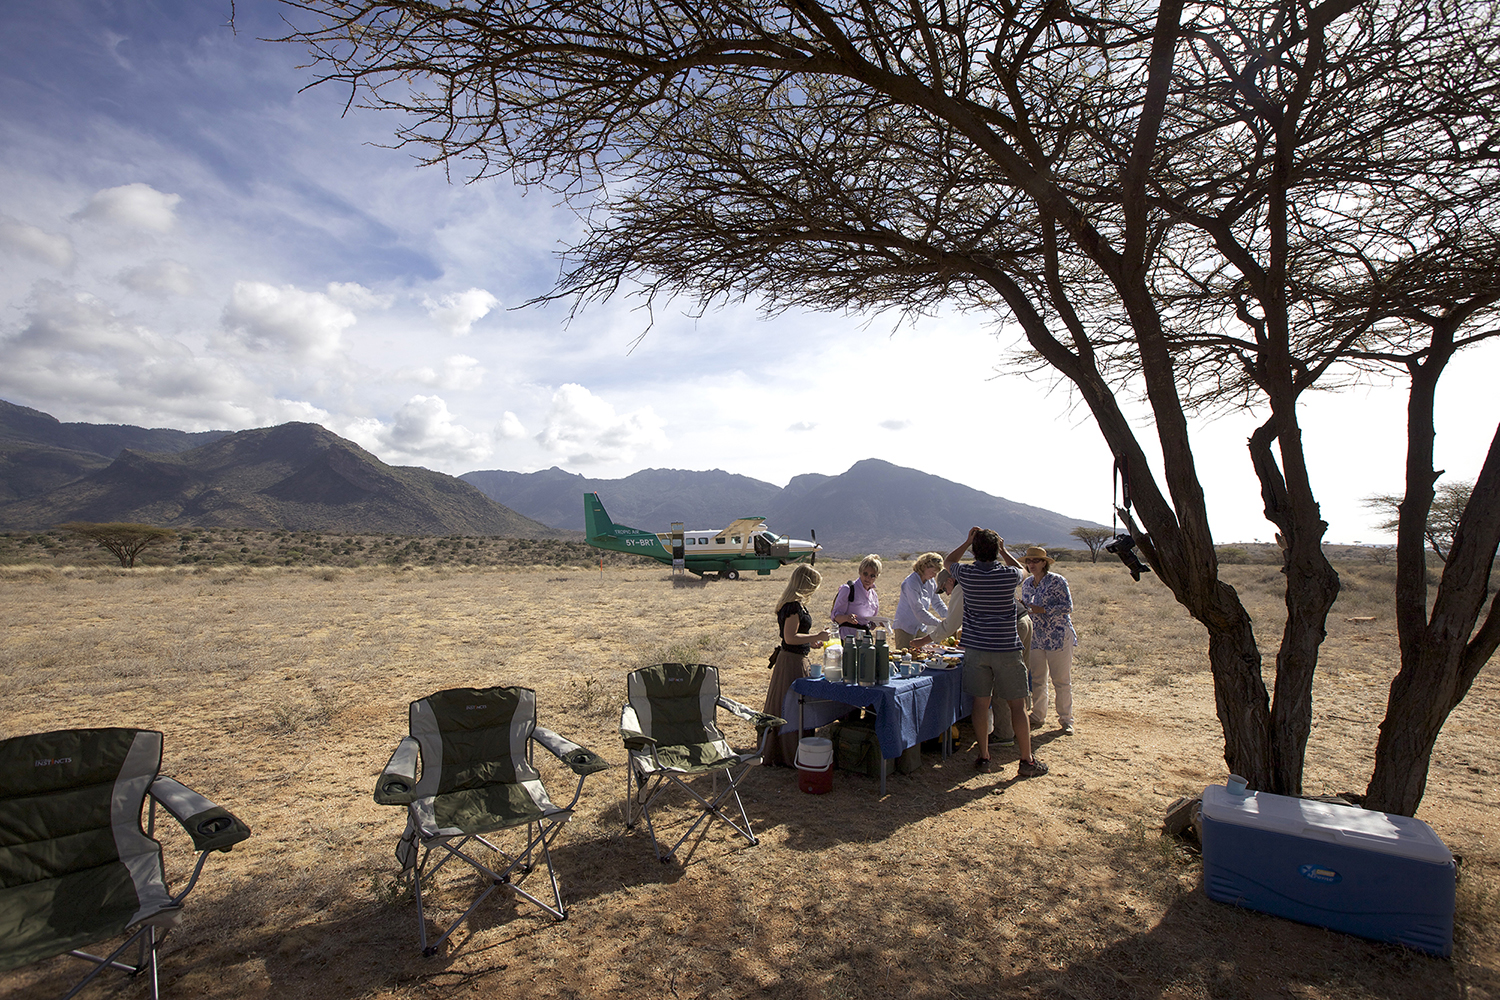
[282, 692]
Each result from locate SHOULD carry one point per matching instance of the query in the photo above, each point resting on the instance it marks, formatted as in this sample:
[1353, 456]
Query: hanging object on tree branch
[1123, 545]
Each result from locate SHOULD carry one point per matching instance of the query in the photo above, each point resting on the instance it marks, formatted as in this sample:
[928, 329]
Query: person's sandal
[1032, 768]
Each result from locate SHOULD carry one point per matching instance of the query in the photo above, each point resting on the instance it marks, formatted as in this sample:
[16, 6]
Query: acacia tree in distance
[1130, 183]
[126, 541]
[1094, 538]
[1443, 519]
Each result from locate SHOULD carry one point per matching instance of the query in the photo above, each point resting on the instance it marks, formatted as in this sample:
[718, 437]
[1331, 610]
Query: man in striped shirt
[994, 666]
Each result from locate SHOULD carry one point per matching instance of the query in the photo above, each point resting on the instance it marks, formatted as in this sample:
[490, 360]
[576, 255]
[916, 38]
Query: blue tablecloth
[907, 710]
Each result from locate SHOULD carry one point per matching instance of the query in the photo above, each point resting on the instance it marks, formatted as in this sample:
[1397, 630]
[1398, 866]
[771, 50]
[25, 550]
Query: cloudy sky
[187, 241]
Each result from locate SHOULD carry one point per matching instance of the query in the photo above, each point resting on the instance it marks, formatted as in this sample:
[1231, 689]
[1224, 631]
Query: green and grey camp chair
[670, 727]
[76, 866]
[474, 748]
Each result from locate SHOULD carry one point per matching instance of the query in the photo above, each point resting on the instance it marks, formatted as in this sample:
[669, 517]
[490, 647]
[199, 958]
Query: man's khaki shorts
[995, 673]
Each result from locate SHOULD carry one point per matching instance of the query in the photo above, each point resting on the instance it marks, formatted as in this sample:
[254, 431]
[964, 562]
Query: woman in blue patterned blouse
[1045, 594]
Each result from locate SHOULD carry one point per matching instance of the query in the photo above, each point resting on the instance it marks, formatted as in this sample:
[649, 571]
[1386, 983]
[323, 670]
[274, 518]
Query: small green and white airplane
[744, 545]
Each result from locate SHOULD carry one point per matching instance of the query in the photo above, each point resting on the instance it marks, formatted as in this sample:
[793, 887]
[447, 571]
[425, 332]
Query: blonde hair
[927, 560]
[868, 561]
[804, 580]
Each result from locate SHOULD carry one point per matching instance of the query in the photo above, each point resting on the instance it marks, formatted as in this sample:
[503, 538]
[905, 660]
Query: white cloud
[587, 430]
[459, 372]
[459, 312]
[802, 425]
[357, 296]
[159, 277]
[133, 206]
[271, 320]
[895, 425]
[509, 428]
[38, 244]
[423, 431]
[74, 354]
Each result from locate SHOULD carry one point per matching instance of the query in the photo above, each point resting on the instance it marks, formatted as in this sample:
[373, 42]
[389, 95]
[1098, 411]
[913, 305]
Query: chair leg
[147, 940]
[539, 836]
[423, 872]
[416, 877]
[150, 945]
[711, 809]
[542, 841]
[649, 795]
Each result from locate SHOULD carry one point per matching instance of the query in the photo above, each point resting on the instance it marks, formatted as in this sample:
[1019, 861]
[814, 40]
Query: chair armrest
[630, 731]
[212, 827]
[581, 760]
[637, 741]
[397, 784]
[759, 719]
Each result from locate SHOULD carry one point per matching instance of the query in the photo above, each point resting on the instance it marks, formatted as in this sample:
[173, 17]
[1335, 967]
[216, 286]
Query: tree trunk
[1441, 654]
[1183, 559]
[1422, 695]
[1441, 666]
[1312, 586]
[1239, 691]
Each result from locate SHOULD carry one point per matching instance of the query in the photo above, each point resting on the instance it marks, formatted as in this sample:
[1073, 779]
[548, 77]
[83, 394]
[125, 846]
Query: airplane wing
[741, 526]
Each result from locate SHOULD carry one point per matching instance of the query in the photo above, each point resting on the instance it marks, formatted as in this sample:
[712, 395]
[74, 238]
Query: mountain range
[303, 477]
[38, 452]
[298, 476]
[873, 507]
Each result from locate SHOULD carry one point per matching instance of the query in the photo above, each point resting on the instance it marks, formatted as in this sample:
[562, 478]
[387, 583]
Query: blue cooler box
[1367, 873]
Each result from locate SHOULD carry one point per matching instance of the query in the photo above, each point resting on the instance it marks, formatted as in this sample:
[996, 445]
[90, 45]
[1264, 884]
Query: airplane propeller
[814, 561]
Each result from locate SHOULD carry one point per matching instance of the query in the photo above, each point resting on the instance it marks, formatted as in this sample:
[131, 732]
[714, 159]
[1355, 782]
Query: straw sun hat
[1037, 552]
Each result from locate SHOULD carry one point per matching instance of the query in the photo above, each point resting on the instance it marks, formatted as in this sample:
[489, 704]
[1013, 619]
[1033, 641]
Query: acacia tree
[1093, 538]
[1443, 518]
[125, 541]
[1142, 188]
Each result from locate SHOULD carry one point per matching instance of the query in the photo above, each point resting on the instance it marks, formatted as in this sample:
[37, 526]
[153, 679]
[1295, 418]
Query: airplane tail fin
[603, 533]
[596, 521]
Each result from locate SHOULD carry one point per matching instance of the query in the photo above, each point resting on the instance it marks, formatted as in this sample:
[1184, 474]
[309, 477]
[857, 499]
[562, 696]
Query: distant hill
[873, 507]
[894, 509]
[39, 453]
[651, 496]
[297, 476]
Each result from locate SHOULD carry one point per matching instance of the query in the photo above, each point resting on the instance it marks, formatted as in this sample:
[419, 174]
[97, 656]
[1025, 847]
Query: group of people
[1013, 652]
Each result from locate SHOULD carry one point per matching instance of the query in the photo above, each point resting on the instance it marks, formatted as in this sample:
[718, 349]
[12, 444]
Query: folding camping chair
[76, 867]
[474, 746]
[669, 724]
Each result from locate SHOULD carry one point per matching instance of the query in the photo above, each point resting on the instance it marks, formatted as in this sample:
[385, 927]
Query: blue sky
[186, 240]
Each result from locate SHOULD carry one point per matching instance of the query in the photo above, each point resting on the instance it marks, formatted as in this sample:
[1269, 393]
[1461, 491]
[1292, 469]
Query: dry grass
[282, 691]
[220, 548]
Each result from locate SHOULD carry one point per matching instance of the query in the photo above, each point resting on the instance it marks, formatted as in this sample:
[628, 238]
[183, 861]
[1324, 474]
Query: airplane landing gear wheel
[729, 574]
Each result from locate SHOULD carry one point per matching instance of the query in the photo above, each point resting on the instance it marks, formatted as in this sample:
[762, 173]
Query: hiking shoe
[996, 741]
[982, 765]
[1067, 729]
[1032, 768]
[1038, 723]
